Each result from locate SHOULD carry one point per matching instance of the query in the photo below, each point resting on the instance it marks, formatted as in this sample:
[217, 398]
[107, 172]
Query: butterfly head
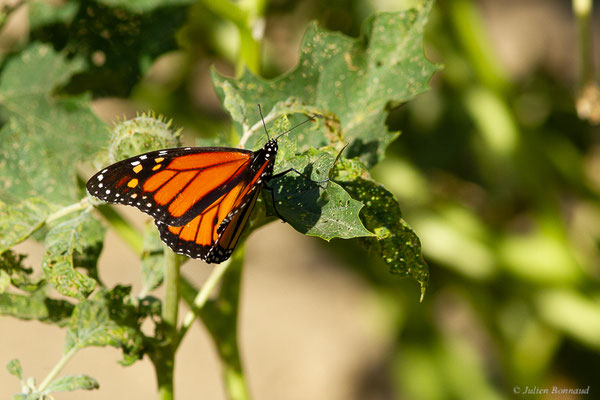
[270, 149]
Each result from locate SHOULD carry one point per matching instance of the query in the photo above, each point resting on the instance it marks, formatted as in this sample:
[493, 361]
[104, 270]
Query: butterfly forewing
[172, 185]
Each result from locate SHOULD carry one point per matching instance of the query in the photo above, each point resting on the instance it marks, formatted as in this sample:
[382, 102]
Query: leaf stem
[80, 205]
[248, 132]
[57, 368]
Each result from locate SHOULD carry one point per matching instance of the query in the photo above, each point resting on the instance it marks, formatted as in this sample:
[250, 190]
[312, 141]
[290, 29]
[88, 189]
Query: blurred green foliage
[496, 174]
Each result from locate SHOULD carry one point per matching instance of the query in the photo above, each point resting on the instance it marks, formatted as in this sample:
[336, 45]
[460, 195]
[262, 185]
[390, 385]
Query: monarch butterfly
[200, 197]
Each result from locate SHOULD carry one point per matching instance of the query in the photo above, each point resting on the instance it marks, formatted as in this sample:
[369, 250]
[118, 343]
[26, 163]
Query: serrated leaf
[396, 243]
[35, 306]
[324, 209]
[19, 221]
[348, 80]
[14, 368]
[153, 260]
[107, 319]
[34, 160]
[63, 244]
[70, 383]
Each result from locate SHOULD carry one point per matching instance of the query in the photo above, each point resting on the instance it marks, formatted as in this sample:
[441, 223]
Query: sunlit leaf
[19, 221]
[35, 306]
[70, 383]
[44, 134]
[64, 243]
[107, 319]
[14, 368]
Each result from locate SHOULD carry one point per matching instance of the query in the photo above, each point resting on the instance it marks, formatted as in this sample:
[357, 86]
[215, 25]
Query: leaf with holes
[322, 209]
[36, 306]
[34, 160]
[67, 243]
[348, 81]
[396, 243]
[108, 318]
[70, 383]
[19, 221]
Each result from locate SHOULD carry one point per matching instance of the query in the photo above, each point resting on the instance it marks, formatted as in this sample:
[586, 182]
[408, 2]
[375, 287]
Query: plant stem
[220, 317]
[163, 356]
[248, 19]
[57, 368]
[131, 236]
[470, 30]
[582, 10]
[201, 297]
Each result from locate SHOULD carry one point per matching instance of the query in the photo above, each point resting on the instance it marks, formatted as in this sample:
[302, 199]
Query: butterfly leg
[272, 190]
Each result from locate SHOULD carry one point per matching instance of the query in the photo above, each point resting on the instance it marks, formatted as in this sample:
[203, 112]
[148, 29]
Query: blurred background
[497, 170]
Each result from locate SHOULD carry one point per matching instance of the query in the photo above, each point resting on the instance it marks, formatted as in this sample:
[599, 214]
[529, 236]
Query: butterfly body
[200, 197]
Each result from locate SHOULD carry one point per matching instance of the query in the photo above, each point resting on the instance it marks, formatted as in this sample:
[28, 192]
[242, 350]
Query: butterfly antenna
[263, 121]
[310, 118]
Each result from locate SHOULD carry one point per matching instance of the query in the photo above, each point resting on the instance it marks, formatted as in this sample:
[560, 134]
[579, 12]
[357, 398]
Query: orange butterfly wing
[172, 185]
[214, 233]
[201, 198]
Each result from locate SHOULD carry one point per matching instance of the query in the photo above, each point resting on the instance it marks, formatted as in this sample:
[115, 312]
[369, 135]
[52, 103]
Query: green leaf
[43, 13]
[13, 270]
[14, 368]
[322, 209]
[35, 306]
[65, 243]
[70, 383]
[18, 222]
[153, 259]
[32, 396]
[347, 80]
[396, 243]
[45, 133]
[4, 280]
[107, 319]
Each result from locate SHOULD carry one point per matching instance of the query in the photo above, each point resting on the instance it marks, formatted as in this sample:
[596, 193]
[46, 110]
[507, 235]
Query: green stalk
[197, 298]
[132, 237]
[582, 10]
[163, 356]
[470, 30]
[220, 316]
[247, 17]
[57, 368]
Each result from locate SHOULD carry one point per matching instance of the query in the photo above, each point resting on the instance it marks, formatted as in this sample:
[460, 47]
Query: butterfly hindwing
[213, 234]
[172, 185]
